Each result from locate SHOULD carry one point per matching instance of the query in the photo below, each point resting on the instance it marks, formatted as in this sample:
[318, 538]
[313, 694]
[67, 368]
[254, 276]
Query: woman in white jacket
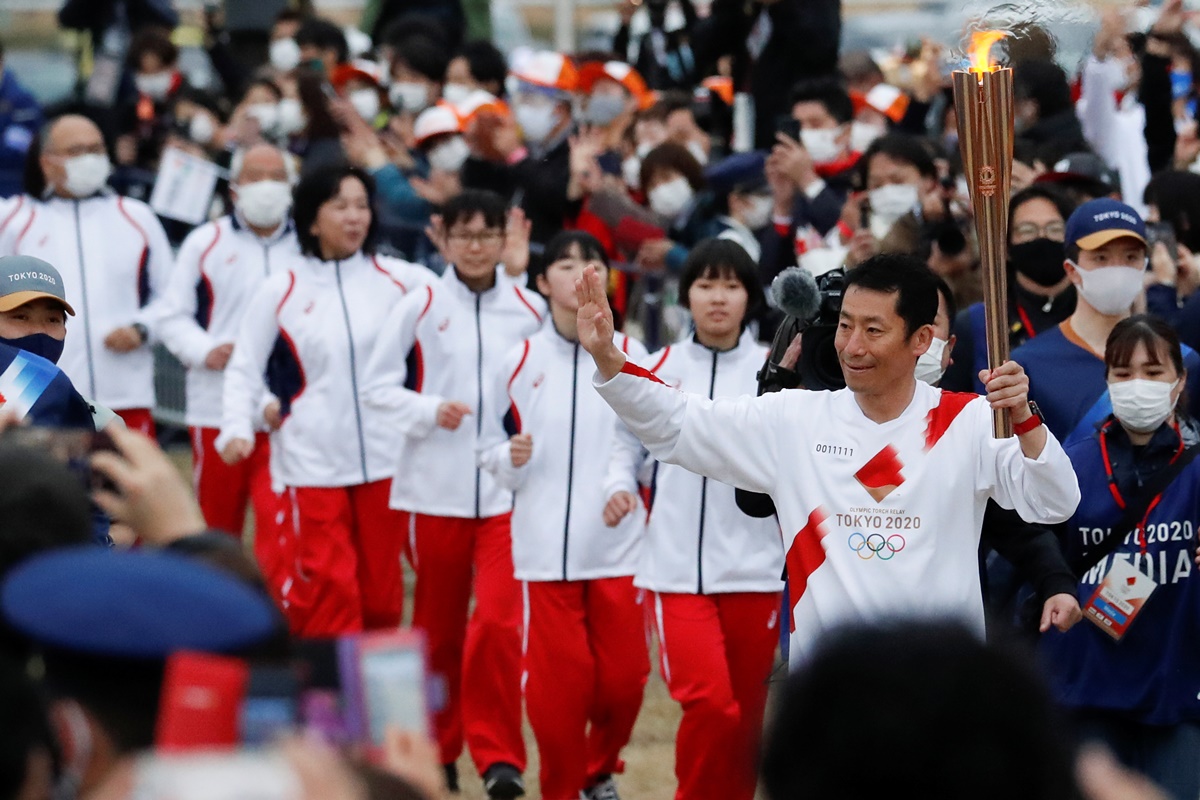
[310, 330]
[576, 536]
[714, 573]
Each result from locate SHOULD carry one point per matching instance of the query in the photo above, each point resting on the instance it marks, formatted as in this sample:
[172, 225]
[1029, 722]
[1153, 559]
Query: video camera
[812, 306]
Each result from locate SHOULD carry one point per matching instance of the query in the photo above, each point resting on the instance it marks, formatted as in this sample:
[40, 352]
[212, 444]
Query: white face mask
[820, 260]
[929, 363]
[1142, 405]
[821, 144]
[366, 103]
[1110, 290]
[670, 199]
[264, 204]
[456, 93]
[536, 121]
[86, 174]
[893, 201]
[266, 115]
[759, 213]
[201, 128]
[631, 171]
[863, 135]
[409, 96]
[291, 116]
[450, 155]
[156, 86]
[285, 54]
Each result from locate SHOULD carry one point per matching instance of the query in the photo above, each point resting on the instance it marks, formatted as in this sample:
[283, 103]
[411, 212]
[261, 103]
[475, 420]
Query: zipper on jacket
[266, 260]
[479, 383]
[712, 385]
[571, 454]
[362, 445]
[87, 315]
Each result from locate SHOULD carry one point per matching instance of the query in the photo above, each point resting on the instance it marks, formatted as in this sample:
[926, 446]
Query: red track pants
[334, 563]
[586, 662]
[137, 419]
[716, 654]
[480, 659]
[224, 491]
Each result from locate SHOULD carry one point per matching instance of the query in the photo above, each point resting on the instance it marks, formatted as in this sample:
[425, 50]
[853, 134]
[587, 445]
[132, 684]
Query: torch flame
[981, 49]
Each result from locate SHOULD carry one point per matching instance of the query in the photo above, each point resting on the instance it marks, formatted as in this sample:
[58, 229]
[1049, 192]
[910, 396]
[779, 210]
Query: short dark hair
[26, 728]
[1040, 191]
[900, 147]
[829, 92]
[947, 294]
[723, 258]
[324, 35]
[316, 189]
[906, 276]
[266, 83]
[560, 246]
[43, 505]
[155, 41]
[413, 24]
[424, 55]
[485, 61]
[468, 204]
[957, 717]
[1147, 330]
[1045, 83]
[675, 157]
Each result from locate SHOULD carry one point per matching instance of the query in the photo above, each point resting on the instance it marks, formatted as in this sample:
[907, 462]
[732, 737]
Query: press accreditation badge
[1119, 599]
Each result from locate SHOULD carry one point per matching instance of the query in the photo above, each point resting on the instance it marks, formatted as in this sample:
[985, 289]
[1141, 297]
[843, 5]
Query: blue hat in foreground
[741, 172]
[1098, 222]
[132, 604]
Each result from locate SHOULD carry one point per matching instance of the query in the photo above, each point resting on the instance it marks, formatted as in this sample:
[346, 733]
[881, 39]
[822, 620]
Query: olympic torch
[983, 99]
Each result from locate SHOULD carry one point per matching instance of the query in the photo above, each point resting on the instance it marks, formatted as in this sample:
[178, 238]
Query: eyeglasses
[483, 237]
[1028, 231]
[80, 150]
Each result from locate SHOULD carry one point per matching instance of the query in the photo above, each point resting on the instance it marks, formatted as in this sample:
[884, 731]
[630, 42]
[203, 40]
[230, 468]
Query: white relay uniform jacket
[218, 269]
[698, 541]
[879, 520]
[543, 388]
[312, 330]
[115, 260]
[443, 343]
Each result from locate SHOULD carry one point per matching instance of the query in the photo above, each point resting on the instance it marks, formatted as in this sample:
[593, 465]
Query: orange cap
[356, 70]
[548, 69]
[436, 120]
[721, 86]
[621, 73]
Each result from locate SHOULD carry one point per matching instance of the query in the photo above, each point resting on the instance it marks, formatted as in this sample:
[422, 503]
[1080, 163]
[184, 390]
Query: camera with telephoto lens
[812, 307]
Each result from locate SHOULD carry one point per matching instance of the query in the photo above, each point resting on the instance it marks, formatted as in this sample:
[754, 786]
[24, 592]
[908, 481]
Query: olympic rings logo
[876, 544]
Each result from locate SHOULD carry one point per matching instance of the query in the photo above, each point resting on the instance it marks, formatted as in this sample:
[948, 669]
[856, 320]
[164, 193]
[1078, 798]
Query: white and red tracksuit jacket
[443, 343]
[697, 540]
[218, 269]
[879, 520]
[312, 331]
[115, 260]
[558, 533]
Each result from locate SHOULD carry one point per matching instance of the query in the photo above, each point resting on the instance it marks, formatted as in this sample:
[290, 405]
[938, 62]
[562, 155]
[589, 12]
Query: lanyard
[1026, 321]
[1112, 481]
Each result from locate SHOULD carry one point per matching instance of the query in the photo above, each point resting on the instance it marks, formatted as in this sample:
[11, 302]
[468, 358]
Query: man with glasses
[1040, 295]
[439, 349]
[114, 258]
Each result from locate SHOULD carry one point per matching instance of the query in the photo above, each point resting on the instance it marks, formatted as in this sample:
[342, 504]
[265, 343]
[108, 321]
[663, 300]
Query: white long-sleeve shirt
[698, 541]
[115, 260]
[879, 520]
[1115, 127]
[443, 343]
[542, 388]
[218, 269]
[307, 336]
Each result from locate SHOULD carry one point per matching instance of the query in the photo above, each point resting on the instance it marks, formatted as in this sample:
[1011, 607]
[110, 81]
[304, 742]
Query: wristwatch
[141, 331]
[1035, 420]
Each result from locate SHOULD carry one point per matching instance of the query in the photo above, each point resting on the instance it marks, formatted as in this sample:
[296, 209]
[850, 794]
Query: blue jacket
[1153, 674]
[20, 121]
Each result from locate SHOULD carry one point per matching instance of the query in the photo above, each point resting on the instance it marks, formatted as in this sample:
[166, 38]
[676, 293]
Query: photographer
[883, 518]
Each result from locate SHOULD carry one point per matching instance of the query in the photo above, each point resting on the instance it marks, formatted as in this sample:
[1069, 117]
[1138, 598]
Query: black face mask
[40, 344]
[1040, 260]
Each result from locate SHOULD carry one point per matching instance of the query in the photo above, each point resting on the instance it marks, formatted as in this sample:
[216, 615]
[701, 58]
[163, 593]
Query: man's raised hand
[595, 323]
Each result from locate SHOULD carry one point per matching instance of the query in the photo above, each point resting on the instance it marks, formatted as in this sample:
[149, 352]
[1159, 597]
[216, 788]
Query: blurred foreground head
[916, 710]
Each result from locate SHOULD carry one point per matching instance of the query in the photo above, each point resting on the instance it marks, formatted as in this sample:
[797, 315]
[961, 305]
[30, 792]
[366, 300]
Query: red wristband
[1022, 428]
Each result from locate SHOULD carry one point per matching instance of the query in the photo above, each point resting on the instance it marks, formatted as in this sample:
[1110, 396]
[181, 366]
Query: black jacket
[537, 184]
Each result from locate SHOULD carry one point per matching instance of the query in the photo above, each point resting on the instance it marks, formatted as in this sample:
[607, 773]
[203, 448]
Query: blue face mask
[40, 344]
